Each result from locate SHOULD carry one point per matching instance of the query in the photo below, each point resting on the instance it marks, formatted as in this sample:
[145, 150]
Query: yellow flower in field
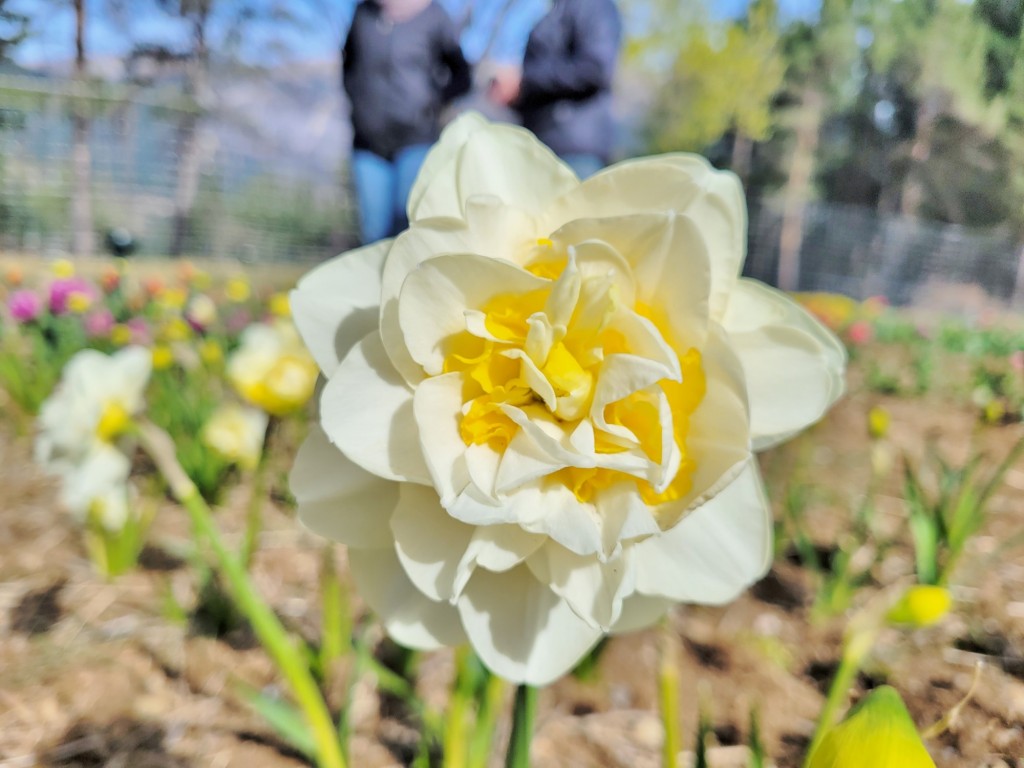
[994, 411]
[542, 400]
[63, 268]
[202, 311]
[173, 298]
[120, 335]
[237, 290]
[921, 605]
[272, 369]
[211, 352]
[163, 357]
[237, 434]
[175, 329]
[280, 306]
[877, 733]
[878, 422]
[79, 302]
[201, 280]
[833, 309]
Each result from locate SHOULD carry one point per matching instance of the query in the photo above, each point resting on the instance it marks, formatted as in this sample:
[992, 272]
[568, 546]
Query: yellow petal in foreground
[878, 732]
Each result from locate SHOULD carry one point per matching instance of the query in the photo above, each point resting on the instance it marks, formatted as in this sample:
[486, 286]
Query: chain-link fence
[246, 205]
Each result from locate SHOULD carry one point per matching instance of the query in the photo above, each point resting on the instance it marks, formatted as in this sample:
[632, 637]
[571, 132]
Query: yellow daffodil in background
[63, 268]
[271, 368]
[237, 290]
[120, 335]
[833, 309]
[878, 422]
[202, 310]
[79, 302]
[280, 306]
[237, 433]
[211, 352]
[920, 606]
[163, 357]
[175, 329]
[877, 733]
[542, 400]
[173, 298]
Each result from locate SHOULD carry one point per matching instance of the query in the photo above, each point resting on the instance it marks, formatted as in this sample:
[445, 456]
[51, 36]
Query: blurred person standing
[401, 65]
[564, 91]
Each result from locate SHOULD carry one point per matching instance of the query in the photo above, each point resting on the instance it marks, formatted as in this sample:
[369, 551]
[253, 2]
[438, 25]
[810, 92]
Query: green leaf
[286, 719]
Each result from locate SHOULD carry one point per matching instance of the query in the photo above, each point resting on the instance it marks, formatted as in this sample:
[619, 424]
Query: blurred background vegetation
[881, 142]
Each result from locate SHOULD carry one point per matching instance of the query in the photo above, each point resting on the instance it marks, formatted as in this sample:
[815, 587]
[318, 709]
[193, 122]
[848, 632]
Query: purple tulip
[62, 289]
[24, 306]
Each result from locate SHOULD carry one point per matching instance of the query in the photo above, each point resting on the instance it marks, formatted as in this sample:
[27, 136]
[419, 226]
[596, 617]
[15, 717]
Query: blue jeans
[382, 189]
[585, 165]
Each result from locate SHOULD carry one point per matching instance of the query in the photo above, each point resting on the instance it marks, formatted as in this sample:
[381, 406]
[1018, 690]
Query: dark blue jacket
[566, 93]
[399, 76]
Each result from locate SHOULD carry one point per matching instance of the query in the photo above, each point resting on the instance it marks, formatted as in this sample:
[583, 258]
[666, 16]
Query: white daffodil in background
[237, 433]
[271, 368]
[543, 397]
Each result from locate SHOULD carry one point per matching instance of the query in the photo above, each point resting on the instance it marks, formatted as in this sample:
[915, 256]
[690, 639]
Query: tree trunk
[1018, 289]
[798, 188]
[189, 166]
[81, 162]
[912, 193]
[739, 160]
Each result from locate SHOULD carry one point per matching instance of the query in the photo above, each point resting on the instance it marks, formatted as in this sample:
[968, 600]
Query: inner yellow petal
[114, 419]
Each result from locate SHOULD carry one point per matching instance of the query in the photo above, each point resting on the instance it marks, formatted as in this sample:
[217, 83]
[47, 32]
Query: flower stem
[668, 695]
[523, 713]
[273, 636]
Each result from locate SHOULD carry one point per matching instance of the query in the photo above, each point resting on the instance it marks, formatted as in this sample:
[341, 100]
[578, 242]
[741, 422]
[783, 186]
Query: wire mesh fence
[256, 206]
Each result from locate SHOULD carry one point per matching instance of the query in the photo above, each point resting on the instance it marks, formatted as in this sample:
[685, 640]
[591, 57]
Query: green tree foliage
[723, 79]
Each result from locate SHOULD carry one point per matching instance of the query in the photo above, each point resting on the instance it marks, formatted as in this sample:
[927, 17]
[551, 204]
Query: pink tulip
[62, 289]
[98, 323]
[860, 332]
[25, 306]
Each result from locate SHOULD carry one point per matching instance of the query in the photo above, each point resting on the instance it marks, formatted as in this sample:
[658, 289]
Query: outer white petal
[127, 375]
[641, 611]
[529, 174]
[338, 303]
[716, 551]
[437, 406]
[624, 516]
[793, 364]
[497, 548]
[430, 543]
[103, 470]
[521, 629]
[366, 410]
[338, 499]
[442, 156]
[434, 299]
[410, 618]
[592, 587]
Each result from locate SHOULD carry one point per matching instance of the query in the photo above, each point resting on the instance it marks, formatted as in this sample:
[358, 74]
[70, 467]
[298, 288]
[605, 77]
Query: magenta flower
[24, 306]
[1017, 361]
[62, 289]
[99, 322]
[141, 333]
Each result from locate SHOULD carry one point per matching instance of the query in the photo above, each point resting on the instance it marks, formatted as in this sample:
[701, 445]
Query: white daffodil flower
[271, 368]
[543, 397]
[237, 434]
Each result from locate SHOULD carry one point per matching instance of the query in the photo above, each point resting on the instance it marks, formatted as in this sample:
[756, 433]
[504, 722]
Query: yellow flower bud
[63, 268]
[878, 732]
[163, 357]
[114, 418]
[120, 335]
[878, 422]
[279, 305]
[211, 352]
[173, 298]
[237, 290]
[175, 329]
[79, 302]
[921, 606]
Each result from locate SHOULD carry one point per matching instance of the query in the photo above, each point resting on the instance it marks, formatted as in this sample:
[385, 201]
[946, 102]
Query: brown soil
[103, 674]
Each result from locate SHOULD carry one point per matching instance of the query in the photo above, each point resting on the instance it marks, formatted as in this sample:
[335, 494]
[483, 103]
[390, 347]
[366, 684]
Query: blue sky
[317, 36]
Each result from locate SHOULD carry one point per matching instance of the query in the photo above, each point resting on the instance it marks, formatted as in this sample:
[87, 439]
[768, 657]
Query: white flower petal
[624, 516]
[641, 611]
[792, 363]
[434, 299]
[442, 155]
[430, 543]
[367, 411]
[530, 174]
[437, 406]
[520, 629]
[336, 304]
[715, 552]
[410, 618]
[497, 548]
[339, 500]
[593, 588]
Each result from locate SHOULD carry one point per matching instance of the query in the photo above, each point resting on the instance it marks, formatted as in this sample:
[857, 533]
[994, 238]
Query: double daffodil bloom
[271, 368]
[542, 400]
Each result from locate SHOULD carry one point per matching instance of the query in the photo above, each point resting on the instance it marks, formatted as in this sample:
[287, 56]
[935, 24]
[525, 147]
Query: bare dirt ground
[100, 674]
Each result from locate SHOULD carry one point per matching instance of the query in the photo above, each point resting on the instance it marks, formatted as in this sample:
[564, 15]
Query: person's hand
[503, 88]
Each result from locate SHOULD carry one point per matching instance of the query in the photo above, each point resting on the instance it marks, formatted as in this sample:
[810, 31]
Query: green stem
[668, 695]
[855, 650]
[486, 722]
[523, 713]
[455, 738]
[273, 636]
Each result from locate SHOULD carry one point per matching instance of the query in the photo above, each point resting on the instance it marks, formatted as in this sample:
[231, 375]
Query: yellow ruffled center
[496, 375]
[114, 419]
